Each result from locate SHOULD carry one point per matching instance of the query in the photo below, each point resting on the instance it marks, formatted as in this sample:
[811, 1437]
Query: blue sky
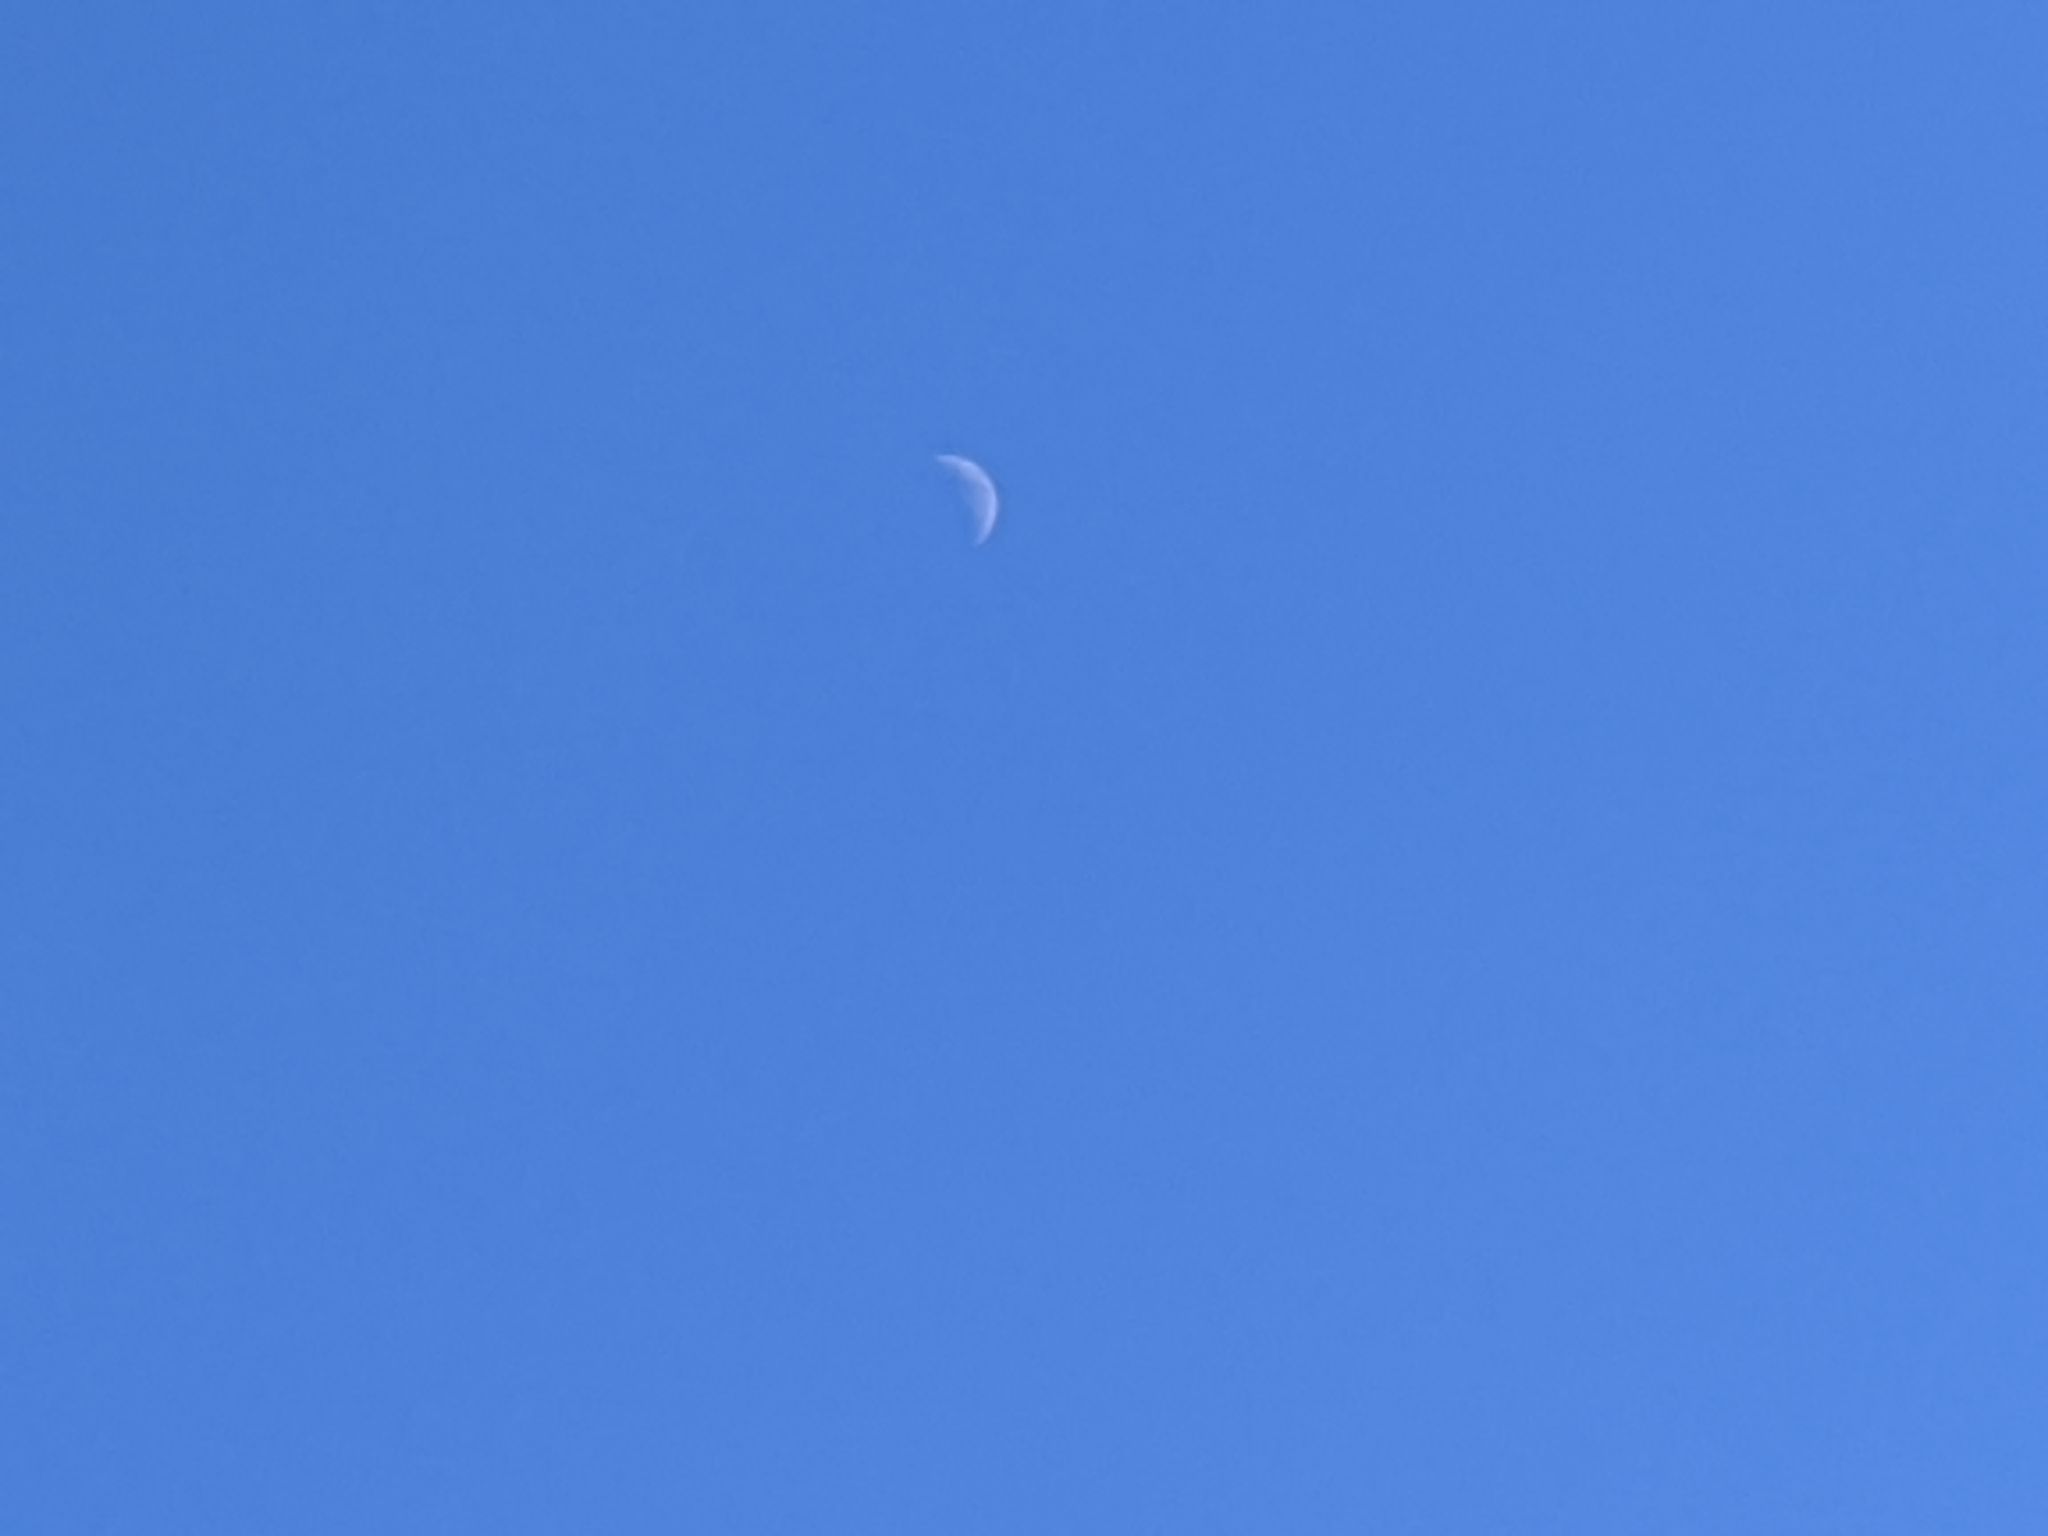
[1443, 933]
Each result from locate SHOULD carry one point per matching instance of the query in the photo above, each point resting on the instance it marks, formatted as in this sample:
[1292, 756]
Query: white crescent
[980, 492]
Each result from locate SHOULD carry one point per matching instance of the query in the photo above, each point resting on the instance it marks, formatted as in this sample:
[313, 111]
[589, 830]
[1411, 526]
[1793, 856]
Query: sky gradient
[1443, 933]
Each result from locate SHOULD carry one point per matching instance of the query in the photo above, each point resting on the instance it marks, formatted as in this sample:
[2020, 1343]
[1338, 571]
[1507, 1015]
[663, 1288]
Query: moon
[979, 490]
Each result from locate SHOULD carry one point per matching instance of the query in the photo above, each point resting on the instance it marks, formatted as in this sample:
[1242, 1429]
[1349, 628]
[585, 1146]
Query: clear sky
[1446, 931]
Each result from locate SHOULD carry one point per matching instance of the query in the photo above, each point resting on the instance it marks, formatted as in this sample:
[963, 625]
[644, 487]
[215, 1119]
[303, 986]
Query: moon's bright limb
[980, 491]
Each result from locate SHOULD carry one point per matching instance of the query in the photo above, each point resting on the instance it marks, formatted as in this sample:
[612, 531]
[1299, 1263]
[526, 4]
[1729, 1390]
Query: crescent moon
[980, 492]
